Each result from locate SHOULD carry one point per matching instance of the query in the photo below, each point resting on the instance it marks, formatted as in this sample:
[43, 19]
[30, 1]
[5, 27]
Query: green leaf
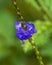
[43, 6]
[33, 3]
[46, 6]
[41, 37]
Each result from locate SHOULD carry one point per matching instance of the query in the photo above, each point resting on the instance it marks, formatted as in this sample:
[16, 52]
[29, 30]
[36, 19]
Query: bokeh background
[12, 51]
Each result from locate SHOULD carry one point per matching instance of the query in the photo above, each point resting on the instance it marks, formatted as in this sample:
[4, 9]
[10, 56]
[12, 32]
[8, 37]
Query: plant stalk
[30, 39]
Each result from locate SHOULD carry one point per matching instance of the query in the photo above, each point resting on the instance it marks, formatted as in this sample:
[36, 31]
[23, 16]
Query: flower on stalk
[24, 34]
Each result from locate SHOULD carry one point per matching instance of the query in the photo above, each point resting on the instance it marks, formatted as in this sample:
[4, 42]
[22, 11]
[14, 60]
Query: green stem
[30, 39]
[36, 51]
[19, 14]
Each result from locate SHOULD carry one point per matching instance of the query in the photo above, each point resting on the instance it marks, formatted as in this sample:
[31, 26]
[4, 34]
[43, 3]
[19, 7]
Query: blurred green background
[12, 51]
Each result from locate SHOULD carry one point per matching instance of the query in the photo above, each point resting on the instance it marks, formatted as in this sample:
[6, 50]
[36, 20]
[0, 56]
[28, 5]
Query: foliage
[12, 51]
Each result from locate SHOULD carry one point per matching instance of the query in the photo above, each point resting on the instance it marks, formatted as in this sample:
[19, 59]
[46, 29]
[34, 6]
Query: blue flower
[24, 34]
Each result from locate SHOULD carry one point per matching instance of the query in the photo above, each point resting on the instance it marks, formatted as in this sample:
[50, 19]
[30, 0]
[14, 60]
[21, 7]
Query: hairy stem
[36, 51]
[30, 39]
[19, 14]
